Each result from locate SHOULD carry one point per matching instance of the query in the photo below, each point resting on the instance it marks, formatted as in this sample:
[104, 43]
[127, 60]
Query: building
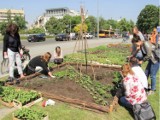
[4, 13]
[54, 12]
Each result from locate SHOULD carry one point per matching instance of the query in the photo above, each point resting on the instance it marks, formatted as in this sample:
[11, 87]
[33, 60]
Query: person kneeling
[58, 55]
[134, 90]
[39, 64]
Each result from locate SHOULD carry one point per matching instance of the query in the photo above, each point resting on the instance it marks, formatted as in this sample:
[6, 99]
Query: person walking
[12, 49]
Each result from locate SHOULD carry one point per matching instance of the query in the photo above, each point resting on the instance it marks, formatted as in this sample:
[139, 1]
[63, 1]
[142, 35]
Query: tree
[51, 25]
[3, 26]
[20, 21]
[9, 19]
[91, 23]
[125, 25]
[148, 18]
[36, 30]
[78, 28]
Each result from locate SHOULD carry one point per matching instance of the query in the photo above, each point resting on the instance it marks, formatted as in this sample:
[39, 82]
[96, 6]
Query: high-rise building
[13, 12]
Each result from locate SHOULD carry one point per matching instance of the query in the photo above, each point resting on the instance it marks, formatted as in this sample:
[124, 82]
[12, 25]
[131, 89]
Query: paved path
[5, 111]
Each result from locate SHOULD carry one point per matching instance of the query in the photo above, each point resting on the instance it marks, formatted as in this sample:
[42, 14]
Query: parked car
[36, 38]
[88, 36]
[62, 37]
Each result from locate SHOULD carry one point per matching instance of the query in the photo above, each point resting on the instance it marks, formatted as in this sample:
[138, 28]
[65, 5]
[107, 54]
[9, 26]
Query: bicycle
[5, 61]
[125, 39]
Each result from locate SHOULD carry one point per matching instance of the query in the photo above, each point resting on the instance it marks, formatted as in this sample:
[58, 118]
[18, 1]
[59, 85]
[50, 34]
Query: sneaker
[17, 81]
[10, 79]
[150, 92]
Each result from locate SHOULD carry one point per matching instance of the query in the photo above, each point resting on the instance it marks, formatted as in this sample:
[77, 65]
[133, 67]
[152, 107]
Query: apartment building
[4, 13]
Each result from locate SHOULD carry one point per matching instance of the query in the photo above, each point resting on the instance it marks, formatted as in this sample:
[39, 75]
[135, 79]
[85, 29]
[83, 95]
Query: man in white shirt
[139, 72]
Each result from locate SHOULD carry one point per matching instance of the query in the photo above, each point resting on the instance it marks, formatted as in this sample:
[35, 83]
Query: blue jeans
[125, 103]
[151, 70]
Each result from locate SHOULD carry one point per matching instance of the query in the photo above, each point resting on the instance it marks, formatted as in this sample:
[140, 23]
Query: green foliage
[8, 94]
[35, 30]
[98, 91]
[125, 25]
[29, 114]
[117, 77]
[20, 21]
[91, 23]
[102, 54]
[148, 18]
[3, 26]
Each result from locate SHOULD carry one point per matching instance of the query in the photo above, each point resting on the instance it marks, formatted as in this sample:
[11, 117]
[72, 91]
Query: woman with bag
[152, 68]
[134, 90]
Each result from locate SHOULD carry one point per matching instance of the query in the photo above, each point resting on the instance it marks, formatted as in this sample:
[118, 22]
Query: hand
[140, 62]
[5, 55]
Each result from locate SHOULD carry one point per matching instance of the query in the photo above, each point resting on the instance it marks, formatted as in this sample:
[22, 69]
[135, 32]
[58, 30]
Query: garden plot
[93, 89]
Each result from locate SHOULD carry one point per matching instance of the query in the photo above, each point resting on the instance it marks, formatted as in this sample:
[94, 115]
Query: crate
[19, 105]
[10, 104]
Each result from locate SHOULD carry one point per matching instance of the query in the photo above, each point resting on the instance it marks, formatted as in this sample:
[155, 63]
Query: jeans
[14, 57]
[151, 70]
[125, 103]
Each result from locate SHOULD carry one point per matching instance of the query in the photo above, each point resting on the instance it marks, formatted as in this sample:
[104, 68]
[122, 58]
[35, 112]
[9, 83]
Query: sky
[108, 9]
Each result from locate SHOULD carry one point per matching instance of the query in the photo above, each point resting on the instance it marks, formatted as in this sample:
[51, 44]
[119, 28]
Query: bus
[106, 33]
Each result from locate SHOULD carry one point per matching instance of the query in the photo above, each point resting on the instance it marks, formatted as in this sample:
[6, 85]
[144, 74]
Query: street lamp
[98, 19]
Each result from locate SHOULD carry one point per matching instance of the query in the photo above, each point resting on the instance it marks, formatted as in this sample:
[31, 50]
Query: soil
[68, 88]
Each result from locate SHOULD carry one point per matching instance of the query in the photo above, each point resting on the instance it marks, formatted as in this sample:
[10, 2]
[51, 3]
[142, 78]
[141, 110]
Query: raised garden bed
[93, 89]
[29, 114]
[11, 96]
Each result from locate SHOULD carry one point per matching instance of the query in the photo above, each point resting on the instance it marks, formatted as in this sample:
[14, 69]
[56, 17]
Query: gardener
[58, 55]
[134, 90]
[39, 64]
[152, 68]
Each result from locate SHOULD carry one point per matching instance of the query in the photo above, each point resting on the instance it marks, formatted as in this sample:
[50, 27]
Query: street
[39, 48]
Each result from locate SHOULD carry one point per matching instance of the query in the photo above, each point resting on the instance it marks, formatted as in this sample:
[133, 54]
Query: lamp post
[98, 19]
[70, 25]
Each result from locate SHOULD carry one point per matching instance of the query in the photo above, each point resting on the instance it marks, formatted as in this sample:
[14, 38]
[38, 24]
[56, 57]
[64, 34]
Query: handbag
[143, 111]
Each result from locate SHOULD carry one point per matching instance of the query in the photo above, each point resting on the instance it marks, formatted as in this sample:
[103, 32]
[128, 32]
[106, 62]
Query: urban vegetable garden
[92, 87]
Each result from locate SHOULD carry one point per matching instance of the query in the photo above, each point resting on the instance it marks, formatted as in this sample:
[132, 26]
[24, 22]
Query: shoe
[17, 81]
[150, 92]
[10, 79]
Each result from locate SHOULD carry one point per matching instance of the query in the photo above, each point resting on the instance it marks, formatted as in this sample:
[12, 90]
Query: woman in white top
[139, 72]
[58, 55]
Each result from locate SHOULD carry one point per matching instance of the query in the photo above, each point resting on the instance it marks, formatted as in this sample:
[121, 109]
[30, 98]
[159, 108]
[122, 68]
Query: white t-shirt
[55, 55]
[141, 75]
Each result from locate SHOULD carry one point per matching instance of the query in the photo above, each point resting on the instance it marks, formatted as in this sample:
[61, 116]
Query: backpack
[143, 111]
[156, 52]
